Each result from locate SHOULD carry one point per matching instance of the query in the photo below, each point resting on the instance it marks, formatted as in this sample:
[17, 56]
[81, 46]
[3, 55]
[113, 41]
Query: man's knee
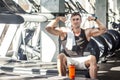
[61, 56]
[93, 58]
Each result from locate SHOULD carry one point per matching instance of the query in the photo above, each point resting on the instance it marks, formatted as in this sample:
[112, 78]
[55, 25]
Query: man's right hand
[63, 19]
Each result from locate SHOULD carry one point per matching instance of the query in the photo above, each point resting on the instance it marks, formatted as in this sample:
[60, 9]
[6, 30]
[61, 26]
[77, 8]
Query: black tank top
[78, 49]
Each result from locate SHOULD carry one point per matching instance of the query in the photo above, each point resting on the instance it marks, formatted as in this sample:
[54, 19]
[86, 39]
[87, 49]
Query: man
[81, 39]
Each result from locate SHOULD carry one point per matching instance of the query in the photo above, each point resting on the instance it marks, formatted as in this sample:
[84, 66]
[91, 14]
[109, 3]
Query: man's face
[75, 21]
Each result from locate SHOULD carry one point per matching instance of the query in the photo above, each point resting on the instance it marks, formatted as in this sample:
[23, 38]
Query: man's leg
[92, 64]
[61, 64]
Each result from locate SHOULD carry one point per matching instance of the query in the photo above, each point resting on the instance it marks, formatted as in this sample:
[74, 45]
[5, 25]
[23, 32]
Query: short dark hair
[75, 14]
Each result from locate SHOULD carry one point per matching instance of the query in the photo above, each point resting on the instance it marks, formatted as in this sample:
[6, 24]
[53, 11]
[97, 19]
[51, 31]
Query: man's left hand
[91, 18]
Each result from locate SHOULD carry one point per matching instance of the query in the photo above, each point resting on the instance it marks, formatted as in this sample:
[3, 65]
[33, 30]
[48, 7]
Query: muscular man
[81, 39]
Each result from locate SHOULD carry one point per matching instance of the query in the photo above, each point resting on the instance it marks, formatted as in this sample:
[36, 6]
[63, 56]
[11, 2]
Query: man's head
[75, 19]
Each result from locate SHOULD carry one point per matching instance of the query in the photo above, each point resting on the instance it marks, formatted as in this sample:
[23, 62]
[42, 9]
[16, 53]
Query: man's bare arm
[101, 27]
[52, 26]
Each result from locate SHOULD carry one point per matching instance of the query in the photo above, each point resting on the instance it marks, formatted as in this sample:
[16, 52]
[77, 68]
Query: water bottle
[71, 72]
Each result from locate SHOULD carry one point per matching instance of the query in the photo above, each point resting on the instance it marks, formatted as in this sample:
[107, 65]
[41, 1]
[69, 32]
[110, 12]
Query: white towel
[70, 39]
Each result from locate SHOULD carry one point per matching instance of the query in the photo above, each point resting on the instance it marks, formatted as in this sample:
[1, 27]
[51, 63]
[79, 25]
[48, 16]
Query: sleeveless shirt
[78, 49]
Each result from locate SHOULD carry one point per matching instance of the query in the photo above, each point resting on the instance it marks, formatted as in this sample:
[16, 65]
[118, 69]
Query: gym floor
[111, 69]
[30, 70]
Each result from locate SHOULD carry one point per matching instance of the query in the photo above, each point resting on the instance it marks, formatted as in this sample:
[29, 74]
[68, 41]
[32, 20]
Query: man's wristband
[95, 19]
